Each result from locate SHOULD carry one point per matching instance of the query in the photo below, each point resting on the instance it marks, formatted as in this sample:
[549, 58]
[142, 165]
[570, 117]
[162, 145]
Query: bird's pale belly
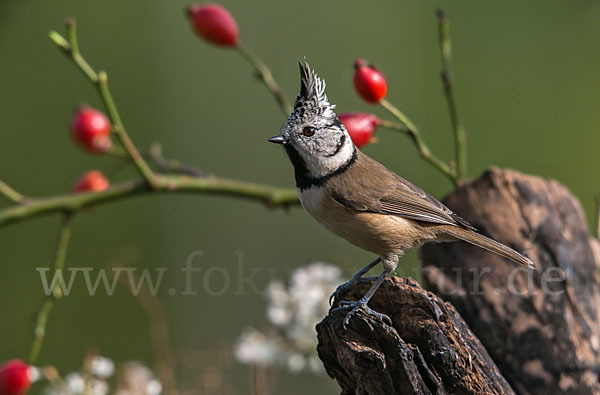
[378, 233]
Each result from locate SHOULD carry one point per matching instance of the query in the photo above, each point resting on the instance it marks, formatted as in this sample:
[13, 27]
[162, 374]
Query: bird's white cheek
[320, 166]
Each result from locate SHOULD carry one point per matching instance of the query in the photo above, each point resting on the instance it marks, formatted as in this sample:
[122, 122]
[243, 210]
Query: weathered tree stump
[541, 328]
[429, 349]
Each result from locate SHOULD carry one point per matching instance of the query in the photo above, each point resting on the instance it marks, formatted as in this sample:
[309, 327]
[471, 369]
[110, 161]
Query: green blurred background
[527, 83]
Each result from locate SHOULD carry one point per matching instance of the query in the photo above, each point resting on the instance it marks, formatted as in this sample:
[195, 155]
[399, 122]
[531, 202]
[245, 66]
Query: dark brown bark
[429, 350]
[543, 335]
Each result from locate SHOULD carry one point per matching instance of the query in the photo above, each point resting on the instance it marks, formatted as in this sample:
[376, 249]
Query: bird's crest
[311, 97]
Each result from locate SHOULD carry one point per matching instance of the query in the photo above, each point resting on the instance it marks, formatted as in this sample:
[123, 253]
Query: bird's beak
[277, 139]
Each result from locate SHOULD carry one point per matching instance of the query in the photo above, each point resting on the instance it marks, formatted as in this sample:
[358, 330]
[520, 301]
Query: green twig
[11, 194]
[411, 130]
[156, 157]
[100, 81]
[266, 76]
[460, 137]
[44, 312]
[270, 196]
[597, 215]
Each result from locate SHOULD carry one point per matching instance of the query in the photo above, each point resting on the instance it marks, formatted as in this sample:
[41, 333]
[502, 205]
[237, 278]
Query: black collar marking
[304, 180]
[339, 145]
[336, 122]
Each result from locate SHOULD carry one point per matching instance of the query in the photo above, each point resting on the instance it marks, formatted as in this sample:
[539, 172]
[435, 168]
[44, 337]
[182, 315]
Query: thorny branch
[411, 130]
[187, 179]
[270, 196]
[460, 137]
[100, 82]
[455, 171]
[266, 76]
[163, 164]
[11, 194]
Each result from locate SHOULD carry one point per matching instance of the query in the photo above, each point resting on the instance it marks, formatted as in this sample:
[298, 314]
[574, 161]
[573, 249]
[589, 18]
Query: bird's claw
[357, 305]
[339, 289]
[343, 287]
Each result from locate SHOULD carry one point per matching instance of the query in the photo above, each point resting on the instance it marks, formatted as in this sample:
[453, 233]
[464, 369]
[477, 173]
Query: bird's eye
[308, 131]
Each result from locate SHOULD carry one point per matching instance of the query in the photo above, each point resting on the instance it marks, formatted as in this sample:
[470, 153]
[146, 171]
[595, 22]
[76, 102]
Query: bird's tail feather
[488, 244]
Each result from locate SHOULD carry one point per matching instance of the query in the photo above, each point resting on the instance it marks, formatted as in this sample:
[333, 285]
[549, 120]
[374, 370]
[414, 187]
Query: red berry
[91, 130]
[369, 82]
[15, 377]
[360, 126]
[214, 23]
[91, 181]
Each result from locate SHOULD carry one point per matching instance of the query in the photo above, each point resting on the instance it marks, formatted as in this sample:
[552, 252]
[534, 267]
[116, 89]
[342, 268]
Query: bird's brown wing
[412, 202]
[371, 187]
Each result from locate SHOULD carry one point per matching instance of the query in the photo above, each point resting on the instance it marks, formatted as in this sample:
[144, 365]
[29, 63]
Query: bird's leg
[358, 275]
[356, 278]
[362, 303]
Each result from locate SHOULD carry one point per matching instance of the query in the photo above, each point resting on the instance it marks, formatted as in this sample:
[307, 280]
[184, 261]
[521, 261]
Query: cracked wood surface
[541, 328]
[429, 349]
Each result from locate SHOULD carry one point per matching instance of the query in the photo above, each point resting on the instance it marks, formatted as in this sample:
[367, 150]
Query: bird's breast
[312, 199]
[381, 234]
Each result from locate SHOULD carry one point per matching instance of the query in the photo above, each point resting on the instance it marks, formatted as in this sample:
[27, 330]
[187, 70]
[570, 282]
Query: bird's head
[313, 136]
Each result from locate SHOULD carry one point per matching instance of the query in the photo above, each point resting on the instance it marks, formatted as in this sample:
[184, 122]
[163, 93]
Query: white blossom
[255, 348]
[293, 313]
[134, 379]
[102, 367]
[137, 379]
[75, 384]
